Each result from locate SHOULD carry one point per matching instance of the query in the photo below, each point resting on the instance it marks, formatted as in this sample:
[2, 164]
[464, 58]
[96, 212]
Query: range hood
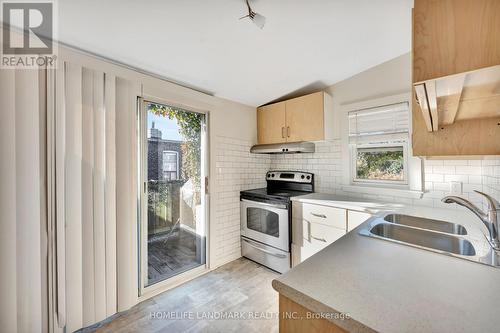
[284, 148]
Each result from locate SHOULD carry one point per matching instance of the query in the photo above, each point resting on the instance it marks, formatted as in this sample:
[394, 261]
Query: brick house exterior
[161, 182]
[157, 149]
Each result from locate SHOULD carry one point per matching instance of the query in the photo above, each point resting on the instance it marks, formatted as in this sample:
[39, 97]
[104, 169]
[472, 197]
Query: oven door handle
[258, 203]
[254, 245]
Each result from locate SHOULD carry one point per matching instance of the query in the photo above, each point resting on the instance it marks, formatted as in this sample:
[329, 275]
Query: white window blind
[388, 122]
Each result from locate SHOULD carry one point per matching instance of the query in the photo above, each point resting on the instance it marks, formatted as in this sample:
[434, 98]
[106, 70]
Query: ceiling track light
[256, 18]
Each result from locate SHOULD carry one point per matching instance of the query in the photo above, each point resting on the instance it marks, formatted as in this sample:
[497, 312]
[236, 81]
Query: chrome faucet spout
[467, 204]
[489, 219]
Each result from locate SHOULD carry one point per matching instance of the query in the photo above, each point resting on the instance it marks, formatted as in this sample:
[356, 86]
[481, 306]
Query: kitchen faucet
[489, 219]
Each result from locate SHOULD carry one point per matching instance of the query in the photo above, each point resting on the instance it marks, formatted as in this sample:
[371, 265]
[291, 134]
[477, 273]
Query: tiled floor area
[241, 287]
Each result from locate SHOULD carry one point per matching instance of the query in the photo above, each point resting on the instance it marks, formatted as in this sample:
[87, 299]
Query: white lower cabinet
[320, 235]
[315, 226]
[355, 218]
[301, 253]
[330, 216]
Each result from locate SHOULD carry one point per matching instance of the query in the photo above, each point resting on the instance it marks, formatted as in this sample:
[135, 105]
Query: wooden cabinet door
[302, 321]
[271, 123]
[305, 118]
[454, 36]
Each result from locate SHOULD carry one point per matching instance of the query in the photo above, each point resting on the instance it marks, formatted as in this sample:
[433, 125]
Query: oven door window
[263, 221]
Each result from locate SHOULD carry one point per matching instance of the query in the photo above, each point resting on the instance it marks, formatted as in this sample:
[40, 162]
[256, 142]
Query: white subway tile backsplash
[472, 187]
[468, 170]
[435, 162]
[441, 187]
[491, 176]
[444, 170]
[456, 162]
[475, 179]
[455, 178]
[237, 169]
[475, 162]
[327, 165]
[436, 178]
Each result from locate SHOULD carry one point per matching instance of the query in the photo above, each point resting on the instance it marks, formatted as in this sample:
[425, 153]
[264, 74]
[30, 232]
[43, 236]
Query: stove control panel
[290, 176]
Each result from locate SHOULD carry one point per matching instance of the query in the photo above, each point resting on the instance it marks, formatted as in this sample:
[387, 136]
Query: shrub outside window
[383, 164]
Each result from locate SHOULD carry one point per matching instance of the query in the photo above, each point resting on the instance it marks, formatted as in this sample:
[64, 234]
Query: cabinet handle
[288, 131]
[283, 132]
[319, 215]
[319, 239]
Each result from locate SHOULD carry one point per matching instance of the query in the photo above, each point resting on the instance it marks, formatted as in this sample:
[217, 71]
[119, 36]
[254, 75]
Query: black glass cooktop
[272, 193]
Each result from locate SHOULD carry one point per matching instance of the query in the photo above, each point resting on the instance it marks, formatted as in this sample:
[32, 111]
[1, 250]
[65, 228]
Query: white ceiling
[305, 45]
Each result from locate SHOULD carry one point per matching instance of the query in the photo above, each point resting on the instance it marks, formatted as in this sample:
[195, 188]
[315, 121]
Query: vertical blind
[23, 238]
[96, 134]
[68, 232]
[390, 121]
[95, 130]
[85, 136]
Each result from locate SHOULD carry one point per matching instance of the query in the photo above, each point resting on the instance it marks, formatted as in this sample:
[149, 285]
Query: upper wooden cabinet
[454, 36]
[300, 119]
[271, 123]
[305, 119]
[456, 77]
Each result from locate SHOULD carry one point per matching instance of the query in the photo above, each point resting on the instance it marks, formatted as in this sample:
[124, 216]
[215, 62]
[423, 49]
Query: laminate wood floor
[240, 288]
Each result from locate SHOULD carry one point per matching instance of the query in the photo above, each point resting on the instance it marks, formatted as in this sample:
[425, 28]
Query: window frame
[173, 152]
[415, 188]
[353, 149]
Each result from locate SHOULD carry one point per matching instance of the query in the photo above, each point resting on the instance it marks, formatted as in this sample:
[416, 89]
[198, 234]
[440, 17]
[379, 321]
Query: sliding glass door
[172, 226]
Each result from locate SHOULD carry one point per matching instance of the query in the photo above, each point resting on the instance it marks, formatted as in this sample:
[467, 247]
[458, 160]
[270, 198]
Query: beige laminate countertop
[389, 287]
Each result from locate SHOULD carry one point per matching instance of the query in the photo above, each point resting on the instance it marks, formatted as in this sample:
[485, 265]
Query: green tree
[380, 165]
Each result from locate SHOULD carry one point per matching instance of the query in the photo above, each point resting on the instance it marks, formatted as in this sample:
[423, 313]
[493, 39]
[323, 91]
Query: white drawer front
[322, 236]
[301, 253]
[308, 251]
[356, 218]
[331, 216]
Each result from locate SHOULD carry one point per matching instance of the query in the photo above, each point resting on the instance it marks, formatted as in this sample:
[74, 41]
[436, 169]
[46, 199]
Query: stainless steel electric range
[266, 216]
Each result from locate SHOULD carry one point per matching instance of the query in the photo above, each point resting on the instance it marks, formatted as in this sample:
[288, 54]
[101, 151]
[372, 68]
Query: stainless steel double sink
[432, 235]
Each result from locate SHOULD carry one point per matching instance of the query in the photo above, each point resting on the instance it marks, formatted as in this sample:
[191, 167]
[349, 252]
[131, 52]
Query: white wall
[388, 79]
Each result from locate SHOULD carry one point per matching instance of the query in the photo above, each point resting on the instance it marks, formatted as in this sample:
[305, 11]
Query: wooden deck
[241, 286]
[169, 257]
